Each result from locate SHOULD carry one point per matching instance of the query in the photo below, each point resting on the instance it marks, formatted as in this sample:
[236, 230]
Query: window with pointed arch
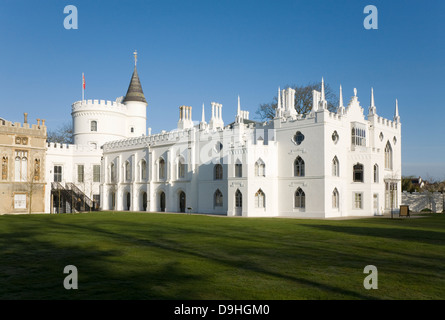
[36, 169]
[335, 167]
[112, 173]
[376, 173]
[388, 156]
[238, 169]
[260, 168]
[260, 199]
[335, 199]
[161, 169]
[300, 199]
[358, 173]
[21, 165]
[143, 169]
[238, 199]
[218, 199]
[299, 167]
[218, 172]
[181, 168]
[5, 168]
[127, 171]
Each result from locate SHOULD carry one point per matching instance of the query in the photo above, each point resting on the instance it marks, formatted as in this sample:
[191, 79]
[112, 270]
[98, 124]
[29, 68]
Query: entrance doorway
[144, 201]
[182, 201]
[162, 201]
[128, 201]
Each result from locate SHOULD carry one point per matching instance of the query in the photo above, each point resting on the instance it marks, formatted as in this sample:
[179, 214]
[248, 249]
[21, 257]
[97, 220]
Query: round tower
[97, 122]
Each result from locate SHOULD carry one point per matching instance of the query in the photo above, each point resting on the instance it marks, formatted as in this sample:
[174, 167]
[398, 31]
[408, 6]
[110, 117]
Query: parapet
[55, 146]
[102, 105]
[25, 128]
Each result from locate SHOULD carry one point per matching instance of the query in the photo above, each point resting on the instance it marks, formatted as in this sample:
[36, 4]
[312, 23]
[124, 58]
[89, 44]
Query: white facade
[95, 122]
[260, 176]
[317, 165]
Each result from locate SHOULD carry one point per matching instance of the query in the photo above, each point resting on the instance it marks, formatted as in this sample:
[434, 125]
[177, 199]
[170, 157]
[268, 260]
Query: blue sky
[193, 52]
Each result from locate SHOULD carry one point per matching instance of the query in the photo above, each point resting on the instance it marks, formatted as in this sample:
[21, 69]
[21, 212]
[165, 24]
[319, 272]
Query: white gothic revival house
[320, 164]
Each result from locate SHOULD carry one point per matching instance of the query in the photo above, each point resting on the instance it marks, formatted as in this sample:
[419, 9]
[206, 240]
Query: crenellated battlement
[25, 128]
[387, 123]
[160, 138]
[102, 105]
[54, 147]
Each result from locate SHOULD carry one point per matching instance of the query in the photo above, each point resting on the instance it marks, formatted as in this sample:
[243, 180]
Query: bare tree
[303, 101]
[33, 181]
[64, 134]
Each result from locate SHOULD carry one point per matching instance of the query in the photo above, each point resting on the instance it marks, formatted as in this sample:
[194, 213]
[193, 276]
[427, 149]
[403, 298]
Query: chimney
[26, 117]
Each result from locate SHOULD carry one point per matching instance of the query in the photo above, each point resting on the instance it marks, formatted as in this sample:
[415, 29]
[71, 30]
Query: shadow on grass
[32, 268]
[402, 234]
[158, 237]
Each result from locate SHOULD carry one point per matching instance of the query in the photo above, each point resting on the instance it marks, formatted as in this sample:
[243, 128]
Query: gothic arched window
[143, 169]
[218, 172]
[335, 167]
[388, 156]
[260, 168]
[238, 199]
[127, 171]
[299, 167]
[36, 169]
[161, 165]
[335, 199]
[5, 168]
[300, 199]
[260, 199]
[218, 198]
[181, 168]
[376, 173]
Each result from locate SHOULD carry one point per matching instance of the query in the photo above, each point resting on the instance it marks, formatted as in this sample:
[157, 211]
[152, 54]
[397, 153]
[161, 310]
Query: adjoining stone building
[23, 156]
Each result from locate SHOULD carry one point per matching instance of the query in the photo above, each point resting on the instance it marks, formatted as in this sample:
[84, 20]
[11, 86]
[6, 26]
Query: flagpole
[83, 86]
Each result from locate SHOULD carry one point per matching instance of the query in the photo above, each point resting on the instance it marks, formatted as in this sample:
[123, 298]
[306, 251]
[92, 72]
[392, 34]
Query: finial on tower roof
[396, 112]
[341, 97]
[203, 117]
[322, 89]
[134, 92]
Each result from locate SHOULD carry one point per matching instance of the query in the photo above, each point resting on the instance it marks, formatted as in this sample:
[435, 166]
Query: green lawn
[171, 256]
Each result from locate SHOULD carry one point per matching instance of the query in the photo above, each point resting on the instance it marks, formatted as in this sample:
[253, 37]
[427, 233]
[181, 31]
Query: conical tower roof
[134, 92]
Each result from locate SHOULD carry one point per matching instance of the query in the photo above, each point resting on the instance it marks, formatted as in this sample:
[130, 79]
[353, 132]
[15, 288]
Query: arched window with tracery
[299, 167]
[300, 199]
[260, 199]
[218, 172]
[260, 168]
[218, 199]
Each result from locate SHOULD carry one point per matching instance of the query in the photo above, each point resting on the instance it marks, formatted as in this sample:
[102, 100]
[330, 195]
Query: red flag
[83, 81]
